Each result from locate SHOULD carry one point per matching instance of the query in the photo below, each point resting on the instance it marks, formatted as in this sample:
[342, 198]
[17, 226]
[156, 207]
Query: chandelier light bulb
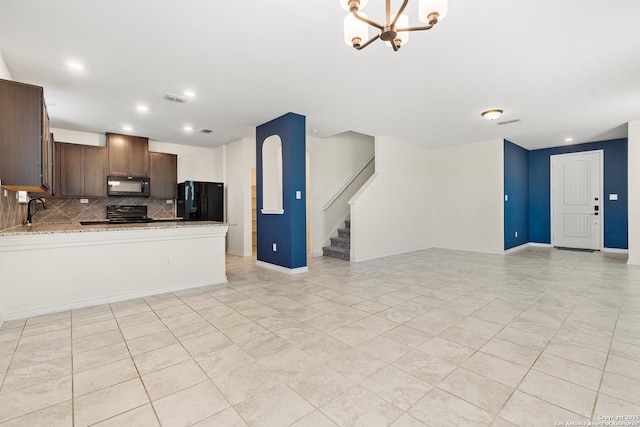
[355, 31]
[345, 4]
[427, 8]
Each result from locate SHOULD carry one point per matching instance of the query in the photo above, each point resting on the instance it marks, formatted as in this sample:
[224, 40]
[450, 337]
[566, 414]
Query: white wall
[393, 212]
[332, 163]
[240, 158]
[76, 137]
[634, 192]
[4, 70]
[468, 184]
[194, 163]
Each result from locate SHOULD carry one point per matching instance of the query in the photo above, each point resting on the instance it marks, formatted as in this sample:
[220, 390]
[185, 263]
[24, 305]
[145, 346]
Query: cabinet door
[47, 147]
[95, 171]
[128, 155]
[21, 136]
[164, 175]
[71, 170]
[138, 156]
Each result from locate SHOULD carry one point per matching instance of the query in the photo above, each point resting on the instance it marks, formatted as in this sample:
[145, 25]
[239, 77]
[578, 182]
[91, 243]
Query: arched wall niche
[272, 176]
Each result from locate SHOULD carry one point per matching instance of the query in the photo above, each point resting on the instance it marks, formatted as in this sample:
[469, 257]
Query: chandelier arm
[368, 21]
[371, 40]
[404, 5]
[428, 27]
[387, 12]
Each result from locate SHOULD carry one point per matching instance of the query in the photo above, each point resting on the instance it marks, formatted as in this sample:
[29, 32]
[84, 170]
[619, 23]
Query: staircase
[340, 246]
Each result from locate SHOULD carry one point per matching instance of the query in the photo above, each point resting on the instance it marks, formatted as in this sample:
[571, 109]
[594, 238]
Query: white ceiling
[563, 67]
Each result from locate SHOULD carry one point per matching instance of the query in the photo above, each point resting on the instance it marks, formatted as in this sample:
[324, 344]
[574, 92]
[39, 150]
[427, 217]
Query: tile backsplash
[70, 210]
[12, 213]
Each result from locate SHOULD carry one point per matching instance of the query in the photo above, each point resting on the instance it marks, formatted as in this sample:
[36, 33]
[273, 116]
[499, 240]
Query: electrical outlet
[169, 201]
[84, 201]
[275, 248]
[6, 193]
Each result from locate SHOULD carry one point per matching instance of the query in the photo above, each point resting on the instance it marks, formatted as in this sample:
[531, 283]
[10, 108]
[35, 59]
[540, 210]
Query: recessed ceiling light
[142, 108]
[187, 128]
[189, 93]
[75, 66]
[568, 139]
[491, 114]
[127, 128]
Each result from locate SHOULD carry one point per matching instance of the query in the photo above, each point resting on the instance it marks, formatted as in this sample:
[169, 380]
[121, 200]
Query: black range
[127, 214]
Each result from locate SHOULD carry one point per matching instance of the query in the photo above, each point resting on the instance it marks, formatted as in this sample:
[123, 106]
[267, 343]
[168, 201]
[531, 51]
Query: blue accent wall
[288, 230]
[516, 188]
[615, 181]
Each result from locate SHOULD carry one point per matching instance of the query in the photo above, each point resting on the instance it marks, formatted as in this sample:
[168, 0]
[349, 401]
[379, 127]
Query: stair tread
[341, 239]
[337, 249]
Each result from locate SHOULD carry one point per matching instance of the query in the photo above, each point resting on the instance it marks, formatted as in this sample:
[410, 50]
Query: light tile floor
[439, 338]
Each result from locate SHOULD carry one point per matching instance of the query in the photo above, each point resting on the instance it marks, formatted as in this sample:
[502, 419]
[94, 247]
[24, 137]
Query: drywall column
[4, 70]
[634, 192]
[282, 222]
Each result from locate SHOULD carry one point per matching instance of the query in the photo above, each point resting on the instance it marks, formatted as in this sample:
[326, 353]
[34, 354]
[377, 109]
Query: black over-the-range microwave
[128, 186]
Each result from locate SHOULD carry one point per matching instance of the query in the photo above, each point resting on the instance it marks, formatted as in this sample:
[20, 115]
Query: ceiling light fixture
[395, 29]
[127, 128]
[187, 128]
[189, 93]
[491, 114]
[568, 139]
[142, 108]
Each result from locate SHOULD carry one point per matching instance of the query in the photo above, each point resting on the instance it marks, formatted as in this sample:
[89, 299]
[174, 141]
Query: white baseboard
[1, 321]
[517, 248]
[540, 245]
[110, 299]
[238, 253]
[616, 250]
[316, 254]
[281, 268]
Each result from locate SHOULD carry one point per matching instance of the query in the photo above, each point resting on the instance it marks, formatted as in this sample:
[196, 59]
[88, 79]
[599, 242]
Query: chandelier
[395, 30]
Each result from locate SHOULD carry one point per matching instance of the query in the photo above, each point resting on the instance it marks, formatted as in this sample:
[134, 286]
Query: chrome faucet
[29, 213]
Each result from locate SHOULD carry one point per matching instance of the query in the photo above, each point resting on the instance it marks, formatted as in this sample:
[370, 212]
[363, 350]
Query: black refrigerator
[201, 201]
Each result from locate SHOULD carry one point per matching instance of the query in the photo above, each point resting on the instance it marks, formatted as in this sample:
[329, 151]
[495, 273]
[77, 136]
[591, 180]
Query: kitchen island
[53, 267]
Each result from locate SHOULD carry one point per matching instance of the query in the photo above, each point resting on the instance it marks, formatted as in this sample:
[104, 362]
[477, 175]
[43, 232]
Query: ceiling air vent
[206, 131]
[508, 122]
[174, 98]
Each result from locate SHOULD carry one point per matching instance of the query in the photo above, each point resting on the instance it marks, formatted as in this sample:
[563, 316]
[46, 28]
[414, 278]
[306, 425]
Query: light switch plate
[298, 195]
[506, 197]
[613, 197]
[22, 197]
[275, 248]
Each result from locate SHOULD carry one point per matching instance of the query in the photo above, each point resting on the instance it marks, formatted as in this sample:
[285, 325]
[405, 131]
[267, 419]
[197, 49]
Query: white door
[576, 191]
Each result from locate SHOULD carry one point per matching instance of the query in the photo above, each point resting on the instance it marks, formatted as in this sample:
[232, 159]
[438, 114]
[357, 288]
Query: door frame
[602, 195]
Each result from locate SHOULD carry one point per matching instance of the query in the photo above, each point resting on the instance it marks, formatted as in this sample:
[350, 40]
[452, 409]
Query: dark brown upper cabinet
[25, 142]
[81, 170]
[164, 175]
[128, 155]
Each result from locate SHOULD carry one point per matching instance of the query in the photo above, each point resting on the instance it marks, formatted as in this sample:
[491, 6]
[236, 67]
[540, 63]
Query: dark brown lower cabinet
[82, 170]
[164, 175]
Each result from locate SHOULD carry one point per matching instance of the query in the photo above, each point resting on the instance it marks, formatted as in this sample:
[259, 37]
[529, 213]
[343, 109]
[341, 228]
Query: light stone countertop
[53, 228]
